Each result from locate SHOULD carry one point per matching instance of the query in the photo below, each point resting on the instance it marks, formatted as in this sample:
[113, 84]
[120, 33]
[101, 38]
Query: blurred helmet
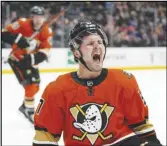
[36, 10]
[82, 29]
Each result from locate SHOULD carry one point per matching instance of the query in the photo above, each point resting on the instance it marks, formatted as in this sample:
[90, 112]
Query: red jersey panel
[91, 112]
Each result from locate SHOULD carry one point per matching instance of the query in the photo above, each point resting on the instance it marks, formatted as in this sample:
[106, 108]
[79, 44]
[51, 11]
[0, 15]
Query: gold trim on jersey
[45, 137]
[144, 128]
[144, 131]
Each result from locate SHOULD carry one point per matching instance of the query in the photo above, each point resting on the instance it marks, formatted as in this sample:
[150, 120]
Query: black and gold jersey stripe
[44, 138]
[144, 128]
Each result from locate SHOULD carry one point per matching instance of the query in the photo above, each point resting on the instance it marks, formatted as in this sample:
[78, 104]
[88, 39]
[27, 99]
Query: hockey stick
[56, 17]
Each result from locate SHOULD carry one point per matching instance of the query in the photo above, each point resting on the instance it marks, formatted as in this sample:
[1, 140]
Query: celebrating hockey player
[31, 42]
[94, 105]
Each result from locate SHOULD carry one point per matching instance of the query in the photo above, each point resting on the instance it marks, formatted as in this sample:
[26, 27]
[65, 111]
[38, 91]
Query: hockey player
[94, 105]
[31, 42]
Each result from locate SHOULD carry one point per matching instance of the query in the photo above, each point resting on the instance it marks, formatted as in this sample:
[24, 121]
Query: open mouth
[96, 57]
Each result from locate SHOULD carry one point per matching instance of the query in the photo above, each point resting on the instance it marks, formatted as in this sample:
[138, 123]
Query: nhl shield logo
[91, 119]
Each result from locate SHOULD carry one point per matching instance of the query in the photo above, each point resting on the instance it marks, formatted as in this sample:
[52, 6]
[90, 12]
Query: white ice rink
[16, 130]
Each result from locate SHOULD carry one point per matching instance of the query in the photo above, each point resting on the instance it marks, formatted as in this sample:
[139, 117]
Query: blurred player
[94, 105]
[31, 42]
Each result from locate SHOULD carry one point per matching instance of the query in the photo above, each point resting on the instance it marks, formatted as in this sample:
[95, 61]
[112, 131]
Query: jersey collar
[90, 82]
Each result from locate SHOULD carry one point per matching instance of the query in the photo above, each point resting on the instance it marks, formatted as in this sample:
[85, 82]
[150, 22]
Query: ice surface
[16, 130]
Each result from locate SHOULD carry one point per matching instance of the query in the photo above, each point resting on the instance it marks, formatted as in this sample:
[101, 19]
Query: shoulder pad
[23, 19]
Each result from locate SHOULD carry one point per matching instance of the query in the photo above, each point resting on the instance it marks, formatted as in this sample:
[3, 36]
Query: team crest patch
[92, 120]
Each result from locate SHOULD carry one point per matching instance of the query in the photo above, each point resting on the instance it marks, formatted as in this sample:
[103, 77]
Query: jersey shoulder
[17, 24]
[123, 78]
[47, 31]
[22, 21]
[60, 83]
[54, 92]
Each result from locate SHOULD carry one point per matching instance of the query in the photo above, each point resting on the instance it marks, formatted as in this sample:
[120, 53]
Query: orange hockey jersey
[101, 111]
[25, 27]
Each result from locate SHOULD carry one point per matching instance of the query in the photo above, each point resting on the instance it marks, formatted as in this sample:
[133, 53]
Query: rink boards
[61, 59]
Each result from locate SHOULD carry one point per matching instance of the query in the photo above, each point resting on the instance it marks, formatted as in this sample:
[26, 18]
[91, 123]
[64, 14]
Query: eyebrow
[90, 41]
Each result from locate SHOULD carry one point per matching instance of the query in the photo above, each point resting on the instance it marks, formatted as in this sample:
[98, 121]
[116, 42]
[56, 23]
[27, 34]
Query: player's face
[93, 50]
[38, 20]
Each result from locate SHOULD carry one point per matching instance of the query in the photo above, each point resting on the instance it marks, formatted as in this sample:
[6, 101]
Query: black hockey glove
[22, 42]
[11, 38]
[31, 59]
[149, 143]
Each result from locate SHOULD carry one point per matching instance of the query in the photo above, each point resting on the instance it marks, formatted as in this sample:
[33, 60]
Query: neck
[84, 73]
[37, 27]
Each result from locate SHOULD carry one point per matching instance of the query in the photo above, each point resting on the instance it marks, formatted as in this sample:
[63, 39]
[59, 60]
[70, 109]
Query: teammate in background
[31, 42]
[94, 105]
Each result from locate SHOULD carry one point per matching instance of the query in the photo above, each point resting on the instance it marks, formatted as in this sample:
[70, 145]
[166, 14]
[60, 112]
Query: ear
[76, 53]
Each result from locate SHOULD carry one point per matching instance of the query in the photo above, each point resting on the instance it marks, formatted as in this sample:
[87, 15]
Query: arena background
[137, 42]
[132, 24]
[138, 26]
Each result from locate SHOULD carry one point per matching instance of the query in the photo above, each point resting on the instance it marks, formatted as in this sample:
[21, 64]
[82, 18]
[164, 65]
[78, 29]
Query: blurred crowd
[133, 24]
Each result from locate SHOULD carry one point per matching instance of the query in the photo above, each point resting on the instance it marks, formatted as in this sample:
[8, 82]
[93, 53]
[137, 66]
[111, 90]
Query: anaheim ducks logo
[91, 119]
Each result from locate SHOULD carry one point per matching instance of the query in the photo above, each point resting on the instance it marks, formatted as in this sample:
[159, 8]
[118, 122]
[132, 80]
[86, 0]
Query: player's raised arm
[49, 116]
[136, 114]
